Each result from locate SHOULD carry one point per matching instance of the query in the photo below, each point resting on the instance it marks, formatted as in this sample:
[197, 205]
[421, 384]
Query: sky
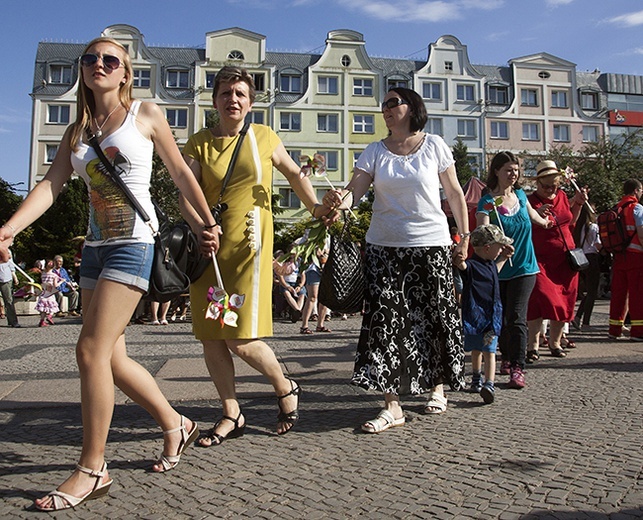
[594, 34]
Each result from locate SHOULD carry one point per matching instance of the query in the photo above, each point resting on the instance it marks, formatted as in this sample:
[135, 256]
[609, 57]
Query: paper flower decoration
[498, 209]
[315, 165]
[222, 308]
[569, 176]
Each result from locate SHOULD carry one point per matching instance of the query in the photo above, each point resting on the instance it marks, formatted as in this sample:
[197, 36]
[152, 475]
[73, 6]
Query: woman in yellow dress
[245, 248]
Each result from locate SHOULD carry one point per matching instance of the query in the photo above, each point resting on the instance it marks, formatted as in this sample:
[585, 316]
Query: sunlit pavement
[567, 447]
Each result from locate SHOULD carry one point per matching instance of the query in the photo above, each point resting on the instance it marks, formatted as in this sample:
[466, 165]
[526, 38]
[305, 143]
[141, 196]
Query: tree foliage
[57, 231]
[462, 162]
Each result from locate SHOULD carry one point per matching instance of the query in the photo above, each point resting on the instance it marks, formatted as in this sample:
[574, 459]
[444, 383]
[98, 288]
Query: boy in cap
[481, 306]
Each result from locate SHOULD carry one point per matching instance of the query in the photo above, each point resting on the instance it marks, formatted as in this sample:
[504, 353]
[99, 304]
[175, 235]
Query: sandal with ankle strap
[60, 500]
[292, 417]
[171, 461]
[216, 439]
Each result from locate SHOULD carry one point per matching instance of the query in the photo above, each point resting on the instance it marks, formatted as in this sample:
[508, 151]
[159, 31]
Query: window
[432, 91]
[559, 99]
[327, 84]
[543, 74]
[328, 123]
[589, 100]
[434, 125]
[256, 117]
[290, 83]
[465, 93]
[50, 153]
[498, 95]
[209, 79]
[60, 74]
[141, 78]
[295, 155]
[236, 56]
[448, 65]
[362, 87]
[288, 198]
[528, 97]
[290, 121]
[346, 60]
[355, 157]
[259, 80]
[590, 134]
[363, 124]
[331, 159]
[58, 114]
[177, 79]
[466, 128]
[393, 83]
[177, 117]
[530, 132]
[499, 130]
[561, 133]
[208, 118]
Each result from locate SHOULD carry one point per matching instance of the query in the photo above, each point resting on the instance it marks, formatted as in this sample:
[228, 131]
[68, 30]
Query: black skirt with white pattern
[411, 337]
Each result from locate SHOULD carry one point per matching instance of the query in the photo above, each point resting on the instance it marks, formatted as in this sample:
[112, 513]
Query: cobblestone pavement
[566, 447]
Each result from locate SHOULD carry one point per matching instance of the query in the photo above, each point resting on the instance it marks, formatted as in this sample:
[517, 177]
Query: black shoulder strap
[233, 160]
[111, 169]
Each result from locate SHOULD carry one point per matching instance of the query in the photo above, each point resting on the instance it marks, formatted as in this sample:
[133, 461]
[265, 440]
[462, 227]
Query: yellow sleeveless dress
[245, 255]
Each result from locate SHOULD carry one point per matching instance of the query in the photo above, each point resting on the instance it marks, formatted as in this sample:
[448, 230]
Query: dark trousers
[514, 295]
[591, 278]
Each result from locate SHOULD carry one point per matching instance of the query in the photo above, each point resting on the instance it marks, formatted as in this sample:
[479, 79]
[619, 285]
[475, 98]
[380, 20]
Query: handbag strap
[233, 160]
[562, 237]
[111, 170]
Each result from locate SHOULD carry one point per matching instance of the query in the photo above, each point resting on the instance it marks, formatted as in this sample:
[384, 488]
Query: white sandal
[382, 422]
[60, 500]
[436, 404]
[170, 461]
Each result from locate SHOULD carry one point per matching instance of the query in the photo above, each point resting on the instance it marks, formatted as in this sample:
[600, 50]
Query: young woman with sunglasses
[411, 339]
[117, 257]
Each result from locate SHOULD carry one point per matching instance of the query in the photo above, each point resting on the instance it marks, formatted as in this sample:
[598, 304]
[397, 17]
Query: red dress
[554, 295]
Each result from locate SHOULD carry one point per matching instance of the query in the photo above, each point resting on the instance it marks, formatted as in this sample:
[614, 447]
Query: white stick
[501, 229]
[217, 272]
[333, 187]
[31, 280]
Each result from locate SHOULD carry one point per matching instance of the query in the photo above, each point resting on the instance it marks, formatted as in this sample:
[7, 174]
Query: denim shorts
[487, 342]
[129, 264]
[313, 277]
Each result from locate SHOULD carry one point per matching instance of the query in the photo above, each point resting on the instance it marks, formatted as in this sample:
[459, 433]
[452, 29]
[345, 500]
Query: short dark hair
[498, 161]
[630, 186]
[418, 110]
[229, 74]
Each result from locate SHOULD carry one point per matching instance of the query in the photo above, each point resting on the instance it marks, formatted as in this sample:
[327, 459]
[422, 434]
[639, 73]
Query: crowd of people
[414, 332]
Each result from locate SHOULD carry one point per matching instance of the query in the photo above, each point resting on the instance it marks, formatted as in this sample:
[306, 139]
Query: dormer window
[236, 56]
[60, 74]
[177, 79]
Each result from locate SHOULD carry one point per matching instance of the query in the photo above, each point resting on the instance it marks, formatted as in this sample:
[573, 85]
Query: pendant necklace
[99, 128]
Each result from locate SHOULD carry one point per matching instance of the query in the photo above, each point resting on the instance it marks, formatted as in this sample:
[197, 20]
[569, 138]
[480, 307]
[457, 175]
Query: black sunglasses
[110, 62]
[393, 102]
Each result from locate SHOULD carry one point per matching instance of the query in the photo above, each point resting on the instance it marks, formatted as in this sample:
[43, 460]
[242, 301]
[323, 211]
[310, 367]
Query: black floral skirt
[411, 337]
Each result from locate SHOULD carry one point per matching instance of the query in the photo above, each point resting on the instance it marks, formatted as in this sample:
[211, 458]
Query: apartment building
[329, 103]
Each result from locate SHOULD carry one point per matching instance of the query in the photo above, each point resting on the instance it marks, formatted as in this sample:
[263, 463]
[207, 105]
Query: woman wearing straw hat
[554, 294]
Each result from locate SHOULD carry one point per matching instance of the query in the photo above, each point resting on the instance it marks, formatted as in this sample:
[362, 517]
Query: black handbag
[167, 280]
[343, 280]
[575, 257]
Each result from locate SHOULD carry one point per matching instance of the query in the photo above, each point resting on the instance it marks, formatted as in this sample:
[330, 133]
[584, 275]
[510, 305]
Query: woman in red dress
[554, 294]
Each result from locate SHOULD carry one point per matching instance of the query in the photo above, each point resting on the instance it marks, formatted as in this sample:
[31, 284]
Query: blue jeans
[515, 295]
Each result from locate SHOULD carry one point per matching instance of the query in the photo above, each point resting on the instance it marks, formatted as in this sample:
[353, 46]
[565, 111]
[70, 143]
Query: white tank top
[111, 217]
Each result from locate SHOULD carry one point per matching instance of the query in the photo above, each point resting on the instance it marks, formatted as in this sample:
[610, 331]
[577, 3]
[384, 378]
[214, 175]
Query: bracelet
[13, 229]
[315, 206]
[210, 227]
[464, 235]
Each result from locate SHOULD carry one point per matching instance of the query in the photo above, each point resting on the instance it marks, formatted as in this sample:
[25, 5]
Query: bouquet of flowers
[221, 306]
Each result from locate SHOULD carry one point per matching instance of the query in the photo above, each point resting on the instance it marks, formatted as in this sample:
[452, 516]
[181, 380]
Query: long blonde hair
[85, 103]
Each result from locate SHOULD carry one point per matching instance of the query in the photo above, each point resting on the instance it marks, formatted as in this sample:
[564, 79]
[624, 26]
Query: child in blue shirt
[481, 305]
